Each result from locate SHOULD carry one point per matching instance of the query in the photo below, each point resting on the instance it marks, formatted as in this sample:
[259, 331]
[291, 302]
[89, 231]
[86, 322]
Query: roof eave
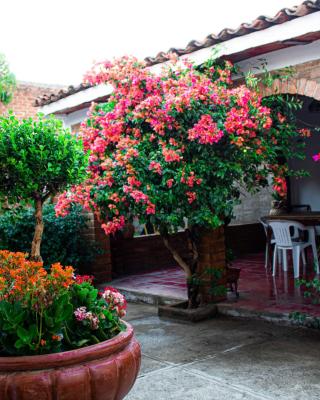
[297, 31]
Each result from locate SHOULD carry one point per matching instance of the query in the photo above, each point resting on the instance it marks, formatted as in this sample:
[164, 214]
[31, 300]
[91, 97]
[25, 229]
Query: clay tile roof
[52, 97]
[260, 23]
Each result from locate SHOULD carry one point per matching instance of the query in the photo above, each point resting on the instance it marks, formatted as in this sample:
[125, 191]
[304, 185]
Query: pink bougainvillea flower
[316, 157]
[205, 131]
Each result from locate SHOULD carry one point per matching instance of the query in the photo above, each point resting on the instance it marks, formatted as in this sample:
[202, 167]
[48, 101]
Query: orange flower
[304, 132]
[22, 279]
[56, 338]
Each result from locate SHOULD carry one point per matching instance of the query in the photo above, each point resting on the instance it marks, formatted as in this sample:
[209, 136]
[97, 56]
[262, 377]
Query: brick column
[101, 266]
[212, 255]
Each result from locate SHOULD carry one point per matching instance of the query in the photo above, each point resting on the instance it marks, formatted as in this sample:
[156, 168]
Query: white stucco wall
[252, 207]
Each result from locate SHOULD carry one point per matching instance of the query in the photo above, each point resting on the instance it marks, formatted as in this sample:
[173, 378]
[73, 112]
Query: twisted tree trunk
[190, 268]
[36, 242]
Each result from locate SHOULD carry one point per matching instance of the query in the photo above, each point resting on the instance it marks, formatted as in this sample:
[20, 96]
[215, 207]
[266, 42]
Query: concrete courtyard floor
[223, 358]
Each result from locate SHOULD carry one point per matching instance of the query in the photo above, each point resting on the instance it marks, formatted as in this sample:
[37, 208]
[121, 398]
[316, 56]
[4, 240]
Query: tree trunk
[36, 242]
[189, 269]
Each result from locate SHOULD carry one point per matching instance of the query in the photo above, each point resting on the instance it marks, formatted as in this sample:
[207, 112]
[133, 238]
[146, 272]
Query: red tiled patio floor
[259, 291]
[168, 282]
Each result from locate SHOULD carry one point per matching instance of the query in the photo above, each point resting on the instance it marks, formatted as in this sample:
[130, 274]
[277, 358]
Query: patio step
[155, 299]
[232, 310]
[229, 309]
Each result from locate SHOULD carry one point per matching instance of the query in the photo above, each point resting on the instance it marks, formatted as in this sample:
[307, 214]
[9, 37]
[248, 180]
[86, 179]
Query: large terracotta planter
[105, 371]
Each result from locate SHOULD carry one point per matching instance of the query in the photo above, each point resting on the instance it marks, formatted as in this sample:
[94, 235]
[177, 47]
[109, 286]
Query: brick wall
[101, 266]
[24, 97]
[309, 70]
[148, 252]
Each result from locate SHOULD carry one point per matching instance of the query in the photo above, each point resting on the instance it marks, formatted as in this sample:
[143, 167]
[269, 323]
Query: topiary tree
[7, 81]
[180, 144]
[38, 159]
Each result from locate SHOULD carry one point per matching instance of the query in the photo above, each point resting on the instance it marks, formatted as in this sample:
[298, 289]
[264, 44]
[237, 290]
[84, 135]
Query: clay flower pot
[105, 371]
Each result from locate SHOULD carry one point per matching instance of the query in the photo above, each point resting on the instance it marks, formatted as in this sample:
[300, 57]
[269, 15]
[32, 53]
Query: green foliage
[62, 238]
[311, 291]
[7, 81]
[303, 319]
[310, 288]
[38, 158]
[216, 289]
[20, 327]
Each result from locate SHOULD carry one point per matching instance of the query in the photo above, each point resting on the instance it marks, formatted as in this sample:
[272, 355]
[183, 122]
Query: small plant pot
[180, 311]
[278, 207]
[105, 371]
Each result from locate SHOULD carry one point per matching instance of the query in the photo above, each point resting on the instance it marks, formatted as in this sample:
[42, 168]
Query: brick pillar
[212, 255]
[101, 266]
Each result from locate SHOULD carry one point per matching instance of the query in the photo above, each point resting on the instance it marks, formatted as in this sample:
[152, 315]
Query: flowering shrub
[187, 130]
[182, 143]
[49, 311]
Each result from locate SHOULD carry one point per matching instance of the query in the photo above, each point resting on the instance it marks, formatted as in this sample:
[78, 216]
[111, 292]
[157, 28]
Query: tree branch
[177, 256]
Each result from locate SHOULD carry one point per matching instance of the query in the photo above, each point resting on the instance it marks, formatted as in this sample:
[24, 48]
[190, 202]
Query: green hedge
[62, 239]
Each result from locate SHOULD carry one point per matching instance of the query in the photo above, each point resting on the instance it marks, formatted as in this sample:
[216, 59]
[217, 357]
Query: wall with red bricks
[145, 253]
[305, 81]
[100, 266]
[24, 98]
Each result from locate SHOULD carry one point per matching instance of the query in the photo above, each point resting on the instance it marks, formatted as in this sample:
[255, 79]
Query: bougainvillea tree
[178, 144]
[38, 159]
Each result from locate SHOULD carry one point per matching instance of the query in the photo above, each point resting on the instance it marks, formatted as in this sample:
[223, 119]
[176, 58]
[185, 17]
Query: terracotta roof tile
[260, 23]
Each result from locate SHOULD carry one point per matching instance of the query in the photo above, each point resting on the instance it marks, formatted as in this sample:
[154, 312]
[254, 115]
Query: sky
[56, 42]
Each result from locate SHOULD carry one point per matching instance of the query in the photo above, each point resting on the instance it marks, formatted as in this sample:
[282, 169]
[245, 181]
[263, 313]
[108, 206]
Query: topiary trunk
[36, 242]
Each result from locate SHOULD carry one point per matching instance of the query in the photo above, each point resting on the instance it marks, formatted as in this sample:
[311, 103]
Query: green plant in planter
[38, 159]
[51, 311]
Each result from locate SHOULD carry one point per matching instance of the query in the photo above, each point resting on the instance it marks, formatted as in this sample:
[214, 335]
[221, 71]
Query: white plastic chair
[299, 208]
[269, 243]
[284, 241]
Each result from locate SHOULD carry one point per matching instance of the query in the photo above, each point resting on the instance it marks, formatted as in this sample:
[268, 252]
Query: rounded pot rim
[70, 357]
